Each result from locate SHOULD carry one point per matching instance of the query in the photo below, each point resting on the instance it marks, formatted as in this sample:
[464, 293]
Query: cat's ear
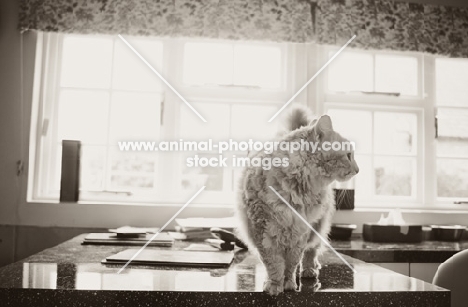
[323, 126]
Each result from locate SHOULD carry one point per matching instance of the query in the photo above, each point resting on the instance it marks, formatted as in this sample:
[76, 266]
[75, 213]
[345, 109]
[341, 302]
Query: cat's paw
[290, 285]
[273, 288]
[311, 273]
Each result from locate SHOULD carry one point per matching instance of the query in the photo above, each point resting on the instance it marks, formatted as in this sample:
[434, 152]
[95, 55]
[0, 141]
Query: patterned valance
[378, 24]
[394, 25]
[273, 20]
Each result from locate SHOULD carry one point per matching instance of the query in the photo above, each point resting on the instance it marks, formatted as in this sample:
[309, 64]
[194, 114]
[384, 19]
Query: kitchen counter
[424, 252]
[71, 274]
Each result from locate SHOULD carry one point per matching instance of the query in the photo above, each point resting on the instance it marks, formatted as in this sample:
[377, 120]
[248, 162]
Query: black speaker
[70, 177]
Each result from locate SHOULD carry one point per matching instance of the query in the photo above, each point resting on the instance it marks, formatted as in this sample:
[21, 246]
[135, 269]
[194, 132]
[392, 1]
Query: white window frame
[443, 202]
[424, 105]
[316, 96]
[48, 47]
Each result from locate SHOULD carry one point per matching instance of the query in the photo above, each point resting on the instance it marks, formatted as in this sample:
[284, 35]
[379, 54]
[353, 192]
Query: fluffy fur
[269, 225]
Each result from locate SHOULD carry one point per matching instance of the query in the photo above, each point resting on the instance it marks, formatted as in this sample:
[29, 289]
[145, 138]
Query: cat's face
[338, 162]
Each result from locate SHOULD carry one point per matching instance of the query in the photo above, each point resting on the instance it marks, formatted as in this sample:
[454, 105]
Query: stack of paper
[199, 228]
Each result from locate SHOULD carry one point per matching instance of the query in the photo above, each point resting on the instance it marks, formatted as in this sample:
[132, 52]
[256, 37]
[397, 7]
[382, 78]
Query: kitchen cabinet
[424, 271]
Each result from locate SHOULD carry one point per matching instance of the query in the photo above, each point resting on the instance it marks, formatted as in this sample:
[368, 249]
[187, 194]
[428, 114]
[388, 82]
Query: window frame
[445, 202]
[314, 56]
[424, 103]
[48, 60]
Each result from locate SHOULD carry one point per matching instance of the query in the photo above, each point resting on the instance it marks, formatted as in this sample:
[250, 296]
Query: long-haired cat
[269, 225]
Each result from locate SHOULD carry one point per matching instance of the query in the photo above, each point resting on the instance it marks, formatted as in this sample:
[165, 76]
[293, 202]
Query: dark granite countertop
[71, 274]
[424, 252]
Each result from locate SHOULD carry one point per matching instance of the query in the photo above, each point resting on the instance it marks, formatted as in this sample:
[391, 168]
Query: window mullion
[429, 173]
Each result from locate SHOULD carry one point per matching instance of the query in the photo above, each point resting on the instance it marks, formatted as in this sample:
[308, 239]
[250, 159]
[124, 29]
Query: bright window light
[350, 72]
[86, 62]
[232, 64]
[257, 66]
[130, 73]
[208, 63]
[396, 74]
[451, 82]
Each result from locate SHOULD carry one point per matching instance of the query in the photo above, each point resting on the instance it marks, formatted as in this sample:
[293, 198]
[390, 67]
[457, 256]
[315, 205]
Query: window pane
[216, 127]
[208, 63]
[452, 122]
[128, 182]
[257, 66]
[394, 176]
[93, 161]
[83, 115]
[134, 117]
[452, 132]
[452, 178]
[363, 180]
[131, 162]
[86, 61]
[451, 82]
[356, 126]
[394, 132]
[251, 122]
[351, 71]
[451, 146]
[130, 170]
[396, 74]
[130, 72]
[195, 177]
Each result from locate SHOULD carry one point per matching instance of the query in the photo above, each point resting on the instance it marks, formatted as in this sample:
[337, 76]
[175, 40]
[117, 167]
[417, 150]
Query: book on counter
[162, 239]
[212, 259]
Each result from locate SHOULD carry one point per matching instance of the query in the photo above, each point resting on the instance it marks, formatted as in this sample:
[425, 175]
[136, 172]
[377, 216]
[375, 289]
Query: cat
[269, 225]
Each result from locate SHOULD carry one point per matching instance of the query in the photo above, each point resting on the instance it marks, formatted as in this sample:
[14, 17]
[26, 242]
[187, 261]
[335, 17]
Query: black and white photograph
[234, 153]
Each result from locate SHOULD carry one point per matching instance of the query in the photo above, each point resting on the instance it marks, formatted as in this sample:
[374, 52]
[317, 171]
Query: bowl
[450, 233]
[392, 233]
[341, 232]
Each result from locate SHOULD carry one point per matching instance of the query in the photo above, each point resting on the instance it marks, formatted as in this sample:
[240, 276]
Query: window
[386, 150]
[373, 73]
[375, 100]
[452, 129]
[96, 90]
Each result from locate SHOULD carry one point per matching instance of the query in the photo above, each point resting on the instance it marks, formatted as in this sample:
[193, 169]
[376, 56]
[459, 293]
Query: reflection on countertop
[69, 267]
[424, 252]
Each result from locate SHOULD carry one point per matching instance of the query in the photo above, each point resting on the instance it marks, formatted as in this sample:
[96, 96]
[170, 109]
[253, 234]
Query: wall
[10, 111]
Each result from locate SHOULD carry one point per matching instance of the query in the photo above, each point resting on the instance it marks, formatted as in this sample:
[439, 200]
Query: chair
[453, 275]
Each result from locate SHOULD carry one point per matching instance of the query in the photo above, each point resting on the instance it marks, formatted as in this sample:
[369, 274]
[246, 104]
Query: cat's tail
[297, 116]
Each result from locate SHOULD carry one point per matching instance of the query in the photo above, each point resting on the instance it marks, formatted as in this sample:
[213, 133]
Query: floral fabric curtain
[394, 25]
[378, 24]
[273, 20]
